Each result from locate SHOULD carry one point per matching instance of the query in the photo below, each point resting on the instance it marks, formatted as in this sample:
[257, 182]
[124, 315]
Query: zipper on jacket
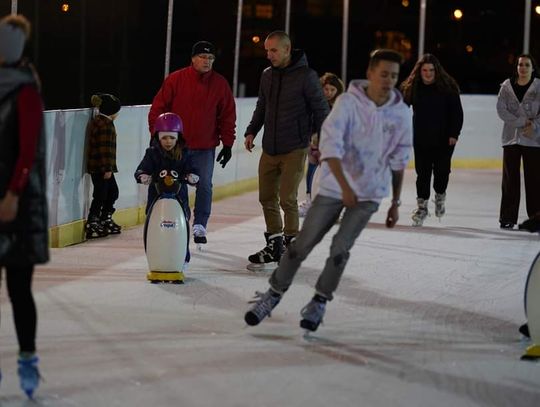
[276, 111]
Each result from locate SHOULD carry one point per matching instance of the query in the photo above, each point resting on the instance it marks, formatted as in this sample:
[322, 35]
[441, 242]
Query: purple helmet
[169, 122]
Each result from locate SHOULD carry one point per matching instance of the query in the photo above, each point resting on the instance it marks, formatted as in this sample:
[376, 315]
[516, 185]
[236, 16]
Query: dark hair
[515, 66]
[330, 78]
[383, 54]
[176, 152]
[443, 81]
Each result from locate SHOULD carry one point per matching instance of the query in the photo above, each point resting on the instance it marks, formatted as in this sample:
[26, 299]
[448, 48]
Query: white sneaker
[304, 207]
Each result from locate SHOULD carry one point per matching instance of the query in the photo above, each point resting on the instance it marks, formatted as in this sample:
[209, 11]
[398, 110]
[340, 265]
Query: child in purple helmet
[167, 151]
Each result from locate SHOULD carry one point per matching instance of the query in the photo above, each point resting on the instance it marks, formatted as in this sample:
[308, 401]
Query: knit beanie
[12, 40]
[203, 47]
[106, 103]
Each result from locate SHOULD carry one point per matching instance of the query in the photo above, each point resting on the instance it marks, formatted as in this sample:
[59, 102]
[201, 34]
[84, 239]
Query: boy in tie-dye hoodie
[365, 146]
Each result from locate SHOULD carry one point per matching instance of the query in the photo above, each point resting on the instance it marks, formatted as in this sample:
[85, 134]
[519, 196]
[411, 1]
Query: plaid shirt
[101, 136]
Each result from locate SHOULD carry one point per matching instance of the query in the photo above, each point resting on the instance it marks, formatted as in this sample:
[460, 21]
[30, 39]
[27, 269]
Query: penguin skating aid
[165, 232]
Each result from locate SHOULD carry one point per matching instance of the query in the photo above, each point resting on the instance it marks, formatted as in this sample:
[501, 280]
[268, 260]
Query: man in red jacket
[204, 101]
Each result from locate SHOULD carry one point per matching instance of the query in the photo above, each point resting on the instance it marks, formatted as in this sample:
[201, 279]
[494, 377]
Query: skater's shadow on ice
[219, 261]
[388, 365]
[22, 401]
[392, 363]
[496, 329]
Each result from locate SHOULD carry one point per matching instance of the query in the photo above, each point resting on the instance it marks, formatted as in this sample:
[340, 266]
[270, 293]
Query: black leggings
[19, 287]
[432, 160]
[511, 182]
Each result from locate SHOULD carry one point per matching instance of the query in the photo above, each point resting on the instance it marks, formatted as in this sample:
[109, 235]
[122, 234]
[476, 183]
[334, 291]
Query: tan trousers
[279, 178]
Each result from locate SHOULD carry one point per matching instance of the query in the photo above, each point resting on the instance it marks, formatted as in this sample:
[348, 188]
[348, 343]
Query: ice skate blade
[262, 266]
[200, 247]
[175, 277]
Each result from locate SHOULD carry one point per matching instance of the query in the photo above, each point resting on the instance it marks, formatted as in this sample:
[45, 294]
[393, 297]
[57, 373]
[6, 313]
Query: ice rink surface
[423, 317]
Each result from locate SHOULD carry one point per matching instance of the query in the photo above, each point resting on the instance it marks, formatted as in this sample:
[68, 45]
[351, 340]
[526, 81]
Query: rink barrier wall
[69, 188]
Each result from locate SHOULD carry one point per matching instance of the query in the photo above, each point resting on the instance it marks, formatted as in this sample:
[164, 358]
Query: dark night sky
[118, 46]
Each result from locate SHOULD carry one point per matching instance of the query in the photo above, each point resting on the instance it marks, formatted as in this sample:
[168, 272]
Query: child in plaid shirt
[101, 165]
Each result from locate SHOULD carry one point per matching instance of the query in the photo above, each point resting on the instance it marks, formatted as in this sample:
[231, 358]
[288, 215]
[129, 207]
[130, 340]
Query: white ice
[423, 317]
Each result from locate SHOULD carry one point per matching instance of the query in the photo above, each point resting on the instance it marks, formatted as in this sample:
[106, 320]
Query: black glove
[224, 156]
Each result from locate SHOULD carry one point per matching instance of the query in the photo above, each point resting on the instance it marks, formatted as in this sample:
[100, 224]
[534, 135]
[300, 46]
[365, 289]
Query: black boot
[524, 330]
[94, 228]
[268, 257]
[288, 239]
[109, 225]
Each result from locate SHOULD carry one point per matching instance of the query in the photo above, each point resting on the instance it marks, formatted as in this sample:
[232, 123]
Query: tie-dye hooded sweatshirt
[370, 141]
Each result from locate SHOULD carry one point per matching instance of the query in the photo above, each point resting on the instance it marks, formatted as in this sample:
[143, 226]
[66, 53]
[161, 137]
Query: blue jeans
[309, 176]
[321, 217]
[203, 164]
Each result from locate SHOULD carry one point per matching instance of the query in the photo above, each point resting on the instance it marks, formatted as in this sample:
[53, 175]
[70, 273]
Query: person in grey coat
[291, 106]
[518, 105]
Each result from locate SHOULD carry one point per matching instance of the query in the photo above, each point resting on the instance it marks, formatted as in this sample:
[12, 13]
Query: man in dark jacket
[291, 106]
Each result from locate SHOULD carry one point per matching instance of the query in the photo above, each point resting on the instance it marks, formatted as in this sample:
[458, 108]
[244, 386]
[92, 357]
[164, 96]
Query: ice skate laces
[267, 253]
[314, 312]
[199, 231]
[263, 304]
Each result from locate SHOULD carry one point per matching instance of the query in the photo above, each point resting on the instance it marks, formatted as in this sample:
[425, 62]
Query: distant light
[405, 3]
[65, 7]
[469, 48]
[458, 14]
[537, 9]
[256, 39]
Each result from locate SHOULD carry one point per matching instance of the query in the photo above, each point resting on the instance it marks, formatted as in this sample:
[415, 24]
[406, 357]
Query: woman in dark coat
[437, 122]
[23, 203]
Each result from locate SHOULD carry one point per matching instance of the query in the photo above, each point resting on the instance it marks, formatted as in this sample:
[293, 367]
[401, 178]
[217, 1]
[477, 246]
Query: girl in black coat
[23, 201]
[437, 122]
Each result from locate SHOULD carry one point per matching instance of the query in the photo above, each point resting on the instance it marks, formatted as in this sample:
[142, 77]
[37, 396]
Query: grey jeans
[322, 215]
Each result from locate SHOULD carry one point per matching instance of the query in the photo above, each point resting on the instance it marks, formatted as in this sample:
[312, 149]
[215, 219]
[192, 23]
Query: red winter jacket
[203, 101]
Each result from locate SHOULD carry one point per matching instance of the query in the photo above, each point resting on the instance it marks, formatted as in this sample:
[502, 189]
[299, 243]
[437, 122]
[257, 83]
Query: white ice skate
[304, 206]
[420, 213]
[199, 236]
[440, 208]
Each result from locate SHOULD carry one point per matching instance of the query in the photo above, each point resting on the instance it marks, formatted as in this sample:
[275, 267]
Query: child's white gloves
[145, 179]
[192, 179]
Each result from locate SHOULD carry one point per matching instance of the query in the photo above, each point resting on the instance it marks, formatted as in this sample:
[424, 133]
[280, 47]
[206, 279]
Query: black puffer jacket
[291, 106]
[24, 241]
